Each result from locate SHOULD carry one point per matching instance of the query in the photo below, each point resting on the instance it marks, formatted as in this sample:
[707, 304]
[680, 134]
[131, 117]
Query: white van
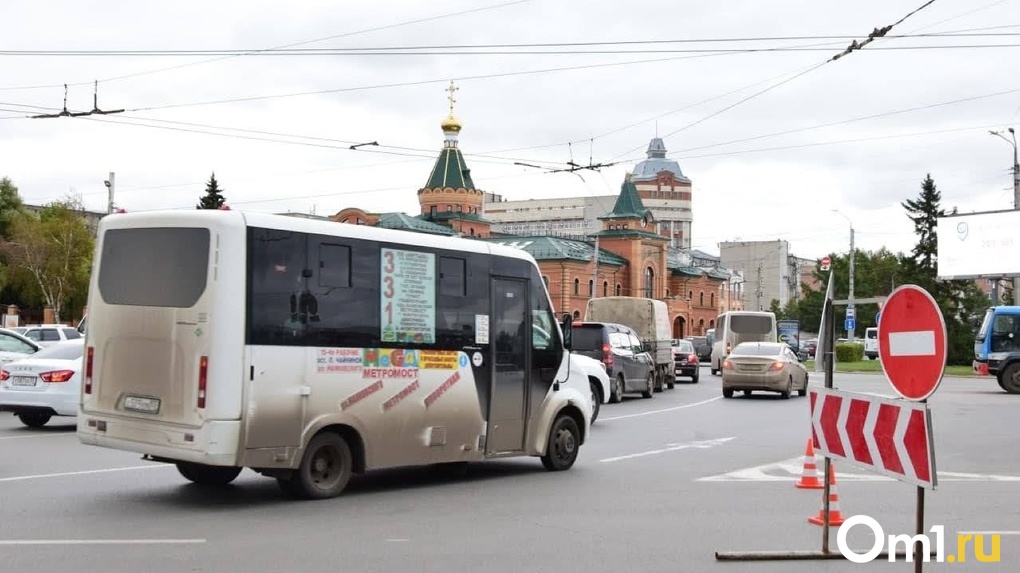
[732, 328]
[309, 351]
[871, 343]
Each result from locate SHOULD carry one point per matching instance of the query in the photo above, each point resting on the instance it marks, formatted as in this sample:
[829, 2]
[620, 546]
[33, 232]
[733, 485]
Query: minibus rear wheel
[325, 469]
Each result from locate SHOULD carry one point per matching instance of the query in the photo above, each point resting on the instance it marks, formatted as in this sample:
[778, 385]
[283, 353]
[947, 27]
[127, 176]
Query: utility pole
[851, 297]
[761, 286]
[851, 310]
[110, 183]
[1016, 198]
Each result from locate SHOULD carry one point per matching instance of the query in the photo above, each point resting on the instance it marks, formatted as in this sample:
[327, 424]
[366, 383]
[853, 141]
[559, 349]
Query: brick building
[628, 255]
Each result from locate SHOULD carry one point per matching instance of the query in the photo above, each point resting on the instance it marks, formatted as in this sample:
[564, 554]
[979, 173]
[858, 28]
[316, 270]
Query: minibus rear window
[164, 267]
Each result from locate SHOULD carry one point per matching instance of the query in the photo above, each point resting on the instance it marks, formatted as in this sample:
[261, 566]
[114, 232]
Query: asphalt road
[662, 485]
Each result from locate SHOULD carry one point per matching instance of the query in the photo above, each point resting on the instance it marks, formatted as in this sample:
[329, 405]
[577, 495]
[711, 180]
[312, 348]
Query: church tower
[450, 197]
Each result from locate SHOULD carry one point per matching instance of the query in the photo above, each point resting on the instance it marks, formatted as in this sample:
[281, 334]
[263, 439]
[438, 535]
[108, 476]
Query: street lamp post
[850, 305]
[1016, 197]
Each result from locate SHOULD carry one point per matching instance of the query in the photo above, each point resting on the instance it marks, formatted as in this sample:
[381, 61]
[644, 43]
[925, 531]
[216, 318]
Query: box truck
[650, 318]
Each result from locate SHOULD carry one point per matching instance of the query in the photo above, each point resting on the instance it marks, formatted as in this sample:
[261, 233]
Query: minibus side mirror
[567, 325]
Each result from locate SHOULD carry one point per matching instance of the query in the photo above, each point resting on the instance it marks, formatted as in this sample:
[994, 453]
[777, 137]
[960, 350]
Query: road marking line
[86, 472]
[54, 435]
[790, 470]
[99, 541]
[398, 539]
[704, 444]
[673, 409]
[915, 343]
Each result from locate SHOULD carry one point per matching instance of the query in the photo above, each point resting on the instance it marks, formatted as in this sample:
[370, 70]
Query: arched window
[701, 298]
[605, 288]
[711, 323]
[667, 293]
[577, 315]
[577, 286]
[712, 298]
[618, 290]
[545, 279]
[690, 296]
[591, 287]
[649, 282]
[701, 326]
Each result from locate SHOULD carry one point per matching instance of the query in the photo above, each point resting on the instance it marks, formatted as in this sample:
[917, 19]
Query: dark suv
[618, 347]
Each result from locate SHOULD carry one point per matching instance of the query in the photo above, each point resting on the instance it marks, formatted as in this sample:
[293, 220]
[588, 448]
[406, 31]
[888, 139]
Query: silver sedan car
[764, 366]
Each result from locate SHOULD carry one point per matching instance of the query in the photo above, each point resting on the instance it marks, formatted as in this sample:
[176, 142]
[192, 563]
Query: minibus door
[510, 345]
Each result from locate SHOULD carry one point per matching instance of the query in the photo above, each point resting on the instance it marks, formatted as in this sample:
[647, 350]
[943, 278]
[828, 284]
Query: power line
[332, 37]
[426, 82]
[331, 52]
[853, 46]
[851, 120]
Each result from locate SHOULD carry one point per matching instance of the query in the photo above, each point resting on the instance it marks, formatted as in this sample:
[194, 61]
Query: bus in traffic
[309, 350]
[736, 326]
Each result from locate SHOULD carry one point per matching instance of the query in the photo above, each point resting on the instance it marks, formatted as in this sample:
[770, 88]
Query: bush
[849, 352]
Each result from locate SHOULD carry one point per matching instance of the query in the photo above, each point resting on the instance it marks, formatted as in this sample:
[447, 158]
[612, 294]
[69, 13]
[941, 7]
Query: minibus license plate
[23, 381]
[139, 404]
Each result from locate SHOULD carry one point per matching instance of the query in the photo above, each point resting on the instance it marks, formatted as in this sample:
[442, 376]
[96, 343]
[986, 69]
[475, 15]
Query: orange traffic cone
[835, 515]
[809, 477]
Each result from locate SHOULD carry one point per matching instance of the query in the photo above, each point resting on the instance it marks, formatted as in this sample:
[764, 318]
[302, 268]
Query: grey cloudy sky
[772, 167]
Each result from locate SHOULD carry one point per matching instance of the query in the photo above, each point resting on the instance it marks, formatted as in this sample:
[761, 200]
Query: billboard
[789, 332]
[978, 245]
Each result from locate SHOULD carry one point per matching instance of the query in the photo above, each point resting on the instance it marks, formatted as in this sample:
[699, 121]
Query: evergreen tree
[924, 212]
[213, 198]
[962, 302]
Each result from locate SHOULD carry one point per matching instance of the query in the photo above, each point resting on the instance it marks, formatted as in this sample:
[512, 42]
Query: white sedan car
[43, 385]
[14, 346]
[598, 380]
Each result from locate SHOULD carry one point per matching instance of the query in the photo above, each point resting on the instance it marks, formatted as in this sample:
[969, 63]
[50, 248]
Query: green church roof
[628, 204]
[405, 222]
[450, 171]
[558, 249]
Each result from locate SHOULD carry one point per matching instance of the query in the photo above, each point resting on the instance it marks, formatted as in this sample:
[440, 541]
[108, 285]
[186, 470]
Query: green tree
[52, 252]
[11, 206]
[962, 302]
[213, 198]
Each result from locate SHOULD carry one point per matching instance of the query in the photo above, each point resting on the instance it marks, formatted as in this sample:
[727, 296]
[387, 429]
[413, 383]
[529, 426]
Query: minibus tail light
[88, 369]
[203, 376]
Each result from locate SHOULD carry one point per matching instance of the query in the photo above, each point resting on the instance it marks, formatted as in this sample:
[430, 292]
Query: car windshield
[757, 350]
[685, 346]
[71, 351]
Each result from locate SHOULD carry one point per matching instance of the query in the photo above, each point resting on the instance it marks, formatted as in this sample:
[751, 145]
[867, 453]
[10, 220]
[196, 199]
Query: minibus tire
[564, 442]
[325, 469]
[208, 475]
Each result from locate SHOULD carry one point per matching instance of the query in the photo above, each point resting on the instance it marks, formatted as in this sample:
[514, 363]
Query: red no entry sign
[912, 342]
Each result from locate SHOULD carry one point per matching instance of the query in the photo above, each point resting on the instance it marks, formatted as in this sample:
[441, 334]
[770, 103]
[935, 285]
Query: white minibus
[310, 350]
[734, 327]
